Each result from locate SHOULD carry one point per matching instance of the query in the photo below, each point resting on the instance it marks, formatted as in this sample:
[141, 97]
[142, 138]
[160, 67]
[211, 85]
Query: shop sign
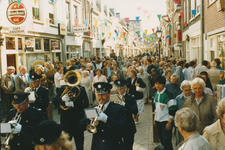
[80, 29]
[16, 30]
[30, 42]
[16, 14]
[55, 44]
[62, 29]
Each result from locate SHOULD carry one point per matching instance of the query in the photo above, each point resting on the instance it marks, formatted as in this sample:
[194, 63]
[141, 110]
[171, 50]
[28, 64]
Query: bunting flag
[127, 20]
[134, 39]
[35, 2]
[125, 39]
[184, 23]
[146, 32]
[76, 22]
[159, 16]
[106, 21]
[182, 14]
[140, 39]
[56, 21]
[137, 18]
[110, 34]
[138, 32]
[153, 30]
[163, 37]
[139, 8]
[124, 34]
[96, 22]
[19, 2]
[86, 22]
[145, 11]
[169, 36]
[148, 16]
[175, 1]
[171, 8]
[193, 12]
[47, 21]
[146, 38]
[114, 38]
[168, 19]
[117, 34]
[89, 33]
[170, 26]
[52, 1]
[103, 34]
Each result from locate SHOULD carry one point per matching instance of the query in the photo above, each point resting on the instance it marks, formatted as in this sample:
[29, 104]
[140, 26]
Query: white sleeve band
[171, 117]
[171, 103]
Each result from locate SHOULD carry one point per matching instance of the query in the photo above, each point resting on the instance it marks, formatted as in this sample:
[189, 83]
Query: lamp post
[159, 35]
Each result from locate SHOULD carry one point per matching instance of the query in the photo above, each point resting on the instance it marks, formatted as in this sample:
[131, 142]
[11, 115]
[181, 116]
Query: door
[11, 60]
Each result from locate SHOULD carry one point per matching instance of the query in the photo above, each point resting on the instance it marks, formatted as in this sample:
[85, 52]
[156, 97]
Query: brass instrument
[17, 120]
[71, 84]
[92, 127]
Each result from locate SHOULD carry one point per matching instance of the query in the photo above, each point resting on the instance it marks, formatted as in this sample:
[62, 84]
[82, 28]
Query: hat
[120, 83]
[102, 87]
[35, 77]
[47, 132]
[19, 98]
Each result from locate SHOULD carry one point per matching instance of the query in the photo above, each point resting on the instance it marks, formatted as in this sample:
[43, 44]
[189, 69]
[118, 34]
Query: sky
[128, 8]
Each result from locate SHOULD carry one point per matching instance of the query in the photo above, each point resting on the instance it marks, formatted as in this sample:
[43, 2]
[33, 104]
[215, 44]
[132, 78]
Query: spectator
[179, 71]
[214, 75]
[188, 72]
[90, 70]
[144, 76]
[98, 65]
[199, 69]
[186, 121]
[215, 133]
[50, 82]
[186, 66]
[40, 71]
[218, 62]
[222, 78]
[17, 76]
[173, 87]
[87, 83]
[117, 71]
[150, 66]
[107, 71]
[22, 80]
[68, 67]
[46, 68]
[58, 77]
[72, 62]
[173, 66]
[206, 90]
[202, 104]
[168, 74]
[207, 80]
[161, 67]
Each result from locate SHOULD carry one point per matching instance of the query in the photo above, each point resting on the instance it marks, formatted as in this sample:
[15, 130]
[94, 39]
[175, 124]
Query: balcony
[179, 38]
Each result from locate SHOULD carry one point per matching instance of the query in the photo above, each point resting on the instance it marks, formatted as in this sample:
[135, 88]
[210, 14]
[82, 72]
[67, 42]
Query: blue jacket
[180, 100]
[174, 89]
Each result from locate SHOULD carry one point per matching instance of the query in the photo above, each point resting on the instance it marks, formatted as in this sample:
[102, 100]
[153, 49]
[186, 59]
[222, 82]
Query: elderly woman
[144, 76]
[113, 95]
[86, 82]
[215, 133]
[173, 87]
[204, 105]
[206, 90]
[186, 121]
[132, 83]
[168, 74]
[40, 71]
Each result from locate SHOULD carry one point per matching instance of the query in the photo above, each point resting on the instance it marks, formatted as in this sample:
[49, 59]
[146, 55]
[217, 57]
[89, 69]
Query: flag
[137, 18]
[153, 30]
[19, 2]
[35, 2]
[146, 32]
[145, 11]
[52, 1]
[127, 20]
[184, 23]
[76, 22]
[139, 8]
[124, 34]
[96, 22]
[114, 38]
[182, 14]
[170, 26]
[193, 12]
[106, 21]
[110, 34]
[159, 16]
[103, 34]
[89, 33]
[86, 22]
[138, 32]
[148, 16]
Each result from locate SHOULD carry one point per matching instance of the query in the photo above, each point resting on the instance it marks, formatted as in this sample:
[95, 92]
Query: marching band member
[24, 128]
[72, 101]
[130, 105]
[111, 121]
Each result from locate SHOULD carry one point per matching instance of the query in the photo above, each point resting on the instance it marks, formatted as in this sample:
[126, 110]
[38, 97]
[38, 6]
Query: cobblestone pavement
[143, 137]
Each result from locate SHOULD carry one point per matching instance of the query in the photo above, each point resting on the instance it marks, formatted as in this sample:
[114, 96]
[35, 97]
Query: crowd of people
[184, 95]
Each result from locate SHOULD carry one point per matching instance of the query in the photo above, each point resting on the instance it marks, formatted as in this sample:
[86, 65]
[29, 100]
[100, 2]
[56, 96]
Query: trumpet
[92, 127]
[17, 120]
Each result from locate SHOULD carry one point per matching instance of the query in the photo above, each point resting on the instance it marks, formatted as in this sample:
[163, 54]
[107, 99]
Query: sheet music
[91, 113]
[31, 97]
[6, 128]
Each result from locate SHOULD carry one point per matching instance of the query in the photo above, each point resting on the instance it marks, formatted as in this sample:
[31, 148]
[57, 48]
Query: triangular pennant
[103, 34]
[193, 12]
[124, 34]
[163, 37]
[153, 30]
[35, 2]
[127, 20]
[169, 36]
[137, 18]
[86, 22]
[159, 16]
[125, 39]
[182, 14]
[175, 1]
[184, 23]
[138, 32]
[145, 11]
[110, 34]
[18, 2]
[76, 22]
[89, 33]
[96, 22]
[171, 8]
[146, 38]
[52, 1]
[148, 16]
[139, 8]
[106, 21]
[114, 38]
[170, 26]
[119, 38]
[146, 32]
[47, 21]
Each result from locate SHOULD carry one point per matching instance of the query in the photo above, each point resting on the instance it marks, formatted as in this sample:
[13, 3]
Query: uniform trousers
[129, 141]
[79, 139]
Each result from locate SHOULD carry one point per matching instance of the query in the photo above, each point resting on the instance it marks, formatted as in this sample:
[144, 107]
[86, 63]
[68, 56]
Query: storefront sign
[62, 29]
[55, 44]
[17, 30]
[30, 42]
[16, 14]
[80, 29]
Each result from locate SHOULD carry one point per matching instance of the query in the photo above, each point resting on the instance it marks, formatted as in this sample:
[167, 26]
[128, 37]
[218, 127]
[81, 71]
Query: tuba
[17, 119]
[72, 78]
[92, 127]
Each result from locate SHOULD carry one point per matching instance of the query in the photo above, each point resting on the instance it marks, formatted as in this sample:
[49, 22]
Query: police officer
[24, 129]
[72, 107]
[41, 95]
[129, 103]
[112, 121]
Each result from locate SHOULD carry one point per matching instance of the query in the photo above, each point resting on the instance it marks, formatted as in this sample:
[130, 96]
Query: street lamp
[159, 35]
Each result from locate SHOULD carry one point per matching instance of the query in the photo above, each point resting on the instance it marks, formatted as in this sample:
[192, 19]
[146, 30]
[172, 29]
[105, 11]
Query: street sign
[17, 30]
[80, 29]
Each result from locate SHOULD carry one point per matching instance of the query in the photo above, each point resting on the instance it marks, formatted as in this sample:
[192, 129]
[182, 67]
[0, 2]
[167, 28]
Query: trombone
[17, 120]
[92, 127]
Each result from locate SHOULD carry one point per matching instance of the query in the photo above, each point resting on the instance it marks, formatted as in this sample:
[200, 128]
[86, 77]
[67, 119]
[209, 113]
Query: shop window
[46, 44]
[55, 44]
[51, 18]
[20, 42]
[10, 43]
[38, 44]
[29, 43]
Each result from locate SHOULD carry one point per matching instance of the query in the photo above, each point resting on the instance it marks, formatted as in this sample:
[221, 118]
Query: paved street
[143, 139]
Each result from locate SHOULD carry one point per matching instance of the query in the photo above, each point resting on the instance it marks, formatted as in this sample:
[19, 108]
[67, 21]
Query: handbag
[139, 89]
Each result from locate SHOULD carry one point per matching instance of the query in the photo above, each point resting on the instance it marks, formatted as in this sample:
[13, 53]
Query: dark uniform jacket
[109, 134]
[130, 108]
[30, 119]
[71, 118]
[132, 87]
[42, 100]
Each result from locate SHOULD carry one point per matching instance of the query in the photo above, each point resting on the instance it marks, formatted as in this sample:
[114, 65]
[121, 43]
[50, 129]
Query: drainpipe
[202, 30]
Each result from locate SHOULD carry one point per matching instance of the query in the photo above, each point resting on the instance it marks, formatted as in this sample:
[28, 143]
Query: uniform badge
[42, 140]
[99, 86]
[118, 82]
[15, 97]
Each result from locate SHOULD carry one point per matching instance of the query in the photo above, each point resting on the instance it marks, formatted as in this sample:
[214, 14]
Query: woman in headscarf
[205, 75]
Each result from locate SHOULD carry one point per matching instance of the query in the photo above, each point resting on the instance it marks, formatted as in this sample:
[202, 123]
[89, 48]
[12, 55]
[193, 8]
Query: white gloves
[28, 89]
[69, 104]
[123, 103]
[66, 98]
[102, 117]
[17, 126]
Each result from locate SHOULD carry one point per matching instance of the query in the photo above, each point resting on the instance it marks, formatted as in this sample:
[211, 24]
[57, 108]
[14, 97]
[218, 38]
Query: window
[212, 42]
[30, 43]
[68, 16]
[210, 2]
[46, 44]
[10, 43]
[51, 18]
[75, 12]
[36, 12]
[185, 12]
[38, 44]
[11, 1]
[20, 46]
[195, 4]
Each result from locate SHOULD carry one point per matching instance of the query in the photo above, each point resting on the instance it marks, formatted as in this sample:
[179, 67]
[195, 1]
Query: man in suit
[116, 71]
[130, 105]
[41, 95]
[112, 121]
[24, 130]
[72, 108]
[150, 66]
[22, 80]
